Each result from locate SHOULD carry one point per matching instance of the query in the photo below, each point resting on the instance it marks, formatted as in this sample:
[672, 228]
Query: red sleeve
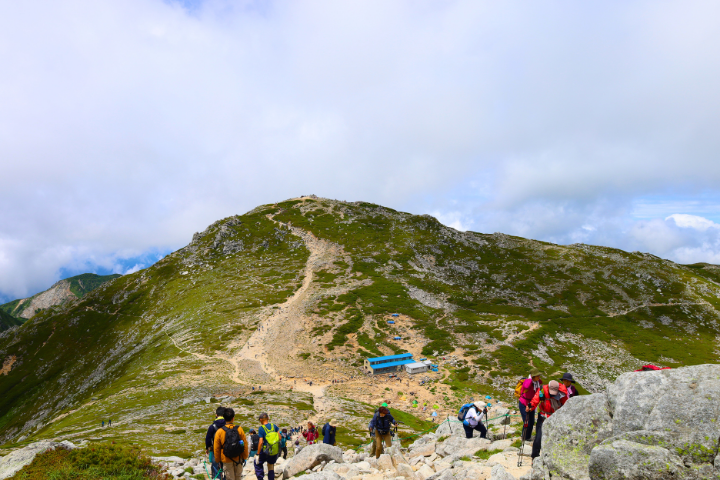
[563, 390]
[535, 400]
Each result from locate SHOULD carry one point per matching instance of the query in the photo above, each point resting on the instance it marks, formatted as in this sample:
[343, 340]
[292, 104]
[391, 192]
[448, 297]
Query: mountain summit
[294, 296]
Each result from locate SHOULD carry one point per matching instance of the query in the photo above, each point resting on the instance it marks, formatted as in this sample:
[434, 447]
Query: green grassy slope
[144, 342]
[87, 282]
[7, 321]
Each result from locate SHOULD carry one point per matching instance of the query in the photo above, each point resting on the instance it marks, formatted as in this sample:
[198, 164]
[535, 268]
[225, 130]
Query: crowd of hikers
[229, 448]
[532, 395]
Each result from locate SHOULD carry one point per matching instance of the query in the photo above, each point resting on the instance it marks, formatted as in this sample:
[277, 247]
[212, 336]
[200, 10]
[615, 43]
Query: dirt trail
[278, 335]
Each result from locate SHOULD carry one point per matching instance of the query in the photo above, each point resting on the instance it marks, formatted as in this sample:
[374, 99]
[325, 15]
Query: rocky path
[270, 345]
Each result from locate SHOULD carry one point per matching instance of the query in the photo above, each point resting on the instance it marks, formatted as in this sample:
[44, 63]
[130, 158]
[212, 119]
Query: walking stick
[522, 444]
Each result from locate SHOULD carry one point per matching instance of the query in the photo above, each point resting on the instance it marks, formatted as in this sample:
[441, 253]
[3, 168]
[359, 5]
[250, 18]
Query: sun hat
[534, 372]
[567, 376]
[479, 405]
[553, 387]
[332, 422]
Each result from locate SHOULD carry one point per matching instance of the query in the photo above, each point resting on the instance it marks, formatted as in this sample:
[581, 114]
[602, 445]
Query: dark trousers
[283, 450]
[214, 466]
[538, 437]
[529, 418]
[479, 427]
[260, 471]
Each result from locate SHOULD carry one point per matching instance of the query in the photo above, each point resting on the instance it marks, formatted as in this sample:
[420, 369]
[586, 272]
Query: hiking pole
[522, 444]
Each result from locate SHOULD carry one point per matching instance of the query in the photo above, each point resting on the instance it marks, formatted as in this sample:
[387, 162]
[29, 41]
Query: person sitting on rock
[548, 399]
[530, 387]
[380, 427]
[474, 420]
[568, 380]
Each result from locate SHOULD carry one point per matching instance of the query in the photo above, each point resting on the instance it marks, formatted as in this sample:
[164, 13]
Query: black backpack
[233, 446]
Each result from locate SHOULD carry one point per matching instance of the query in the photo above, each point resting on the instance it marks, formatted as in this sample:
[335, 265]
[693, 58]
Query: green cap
[384, 404]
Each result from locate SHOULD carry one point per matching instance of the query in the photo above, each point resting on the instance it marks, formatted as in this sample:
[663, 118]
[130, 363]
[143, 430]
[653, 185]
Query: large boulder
[654, 424]
[571, 433]
[12, 463]
[311, 456]
[621, 459]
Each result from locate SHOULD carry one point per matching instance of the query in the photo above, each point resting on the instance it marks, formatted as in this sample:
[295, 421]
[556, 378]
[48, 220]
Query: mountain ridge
[302, 290]
[62, 291]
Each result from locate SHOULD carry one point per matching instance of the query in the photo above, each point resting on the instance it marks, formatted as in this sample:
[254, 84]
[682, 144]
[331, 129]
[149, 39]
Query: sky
[126, 126]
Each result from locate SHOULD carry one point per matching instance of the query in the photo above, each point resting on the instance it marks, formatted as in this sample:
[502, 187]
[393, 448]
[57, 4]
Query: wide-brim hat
[479, 405]
[535, 372]
[567, 376]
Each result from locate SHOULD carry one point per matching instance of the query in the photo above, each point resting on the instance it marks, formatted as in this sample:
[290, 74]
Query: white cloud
[137, 267]
[127, 126]
[683, 220]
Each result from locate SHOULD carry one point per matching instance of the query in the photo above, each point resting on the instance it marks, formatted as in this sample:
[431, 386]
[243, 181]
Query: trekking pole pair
[522, 444]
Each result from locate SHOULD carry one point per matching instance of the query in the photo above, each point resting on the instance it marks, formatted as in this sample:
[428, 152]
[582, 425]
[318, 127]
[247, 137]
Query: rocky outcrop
[648, 425]
[311, 456]
[15, 461]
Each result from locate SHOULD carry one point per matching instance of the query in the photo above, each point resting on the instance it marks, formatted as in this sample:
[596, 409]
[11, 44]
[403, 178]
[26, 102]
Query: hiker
[568, 380]
[110, 423]
[473, 420]
[328, 432]
[380, 427]
[268, 447]
[217, 424]
[548, 399]
[254, 440]
[103, 424]
[230, 447]
[284, 437]
[311, 434]
[528, 389]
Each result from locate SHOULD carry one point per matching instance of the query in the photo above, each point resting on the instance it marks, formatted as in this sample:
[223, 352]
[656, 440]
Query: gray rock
[444, 475]
[311, 456]
[12, 463]
[451, 428]
[681, 402]
[655, 424]
[498, 472]
[571, 433]
[621, 459]
[320, 476]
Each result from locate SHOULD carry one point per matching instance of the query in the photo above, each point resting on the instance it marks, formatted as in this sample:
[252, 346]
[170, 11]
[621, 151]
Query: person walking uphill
[210, 439]
[380, 427]
[528, 390]
[230, 447]
[328, 432]
[268, 448]
[568, 380]
[311, 434]
[548, 400]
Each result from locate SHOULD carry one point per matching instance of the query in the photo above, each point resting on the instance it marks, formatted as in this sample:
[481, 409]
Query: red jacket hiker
[546, 408]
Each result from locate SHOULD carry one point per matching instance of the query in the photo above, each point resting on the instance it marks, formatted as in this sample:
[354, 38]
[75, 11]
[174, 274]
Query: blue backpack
[463, 411]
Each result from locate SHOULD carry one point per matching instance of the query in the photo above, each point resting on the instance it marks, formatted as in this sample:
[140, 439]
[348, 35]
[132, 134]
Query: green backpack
[271, 445]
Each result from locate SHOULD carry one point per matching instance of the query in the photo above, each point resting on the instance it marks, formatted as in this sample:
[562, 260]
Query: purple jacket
[528, 392]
